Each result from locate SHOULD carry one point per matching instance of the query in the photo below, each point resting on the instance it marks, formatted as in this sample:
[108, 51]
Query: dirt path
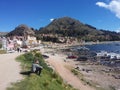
[9, 70]
[58, 63]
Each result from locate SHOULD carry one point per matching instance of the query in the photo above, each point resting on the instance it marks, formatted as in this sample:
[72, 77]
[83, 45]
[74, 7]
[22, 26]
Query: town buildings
[14, 42]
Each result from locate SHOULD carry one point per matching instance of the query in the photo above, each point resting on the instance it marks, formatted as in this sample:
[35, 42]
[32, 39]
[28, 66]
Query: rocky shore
[93, 74]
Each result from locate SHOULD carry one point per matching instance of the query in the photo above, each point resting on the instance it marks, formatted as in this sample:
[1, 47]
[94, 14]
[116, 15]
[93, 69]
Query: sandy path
[9, 70]
[58, 63]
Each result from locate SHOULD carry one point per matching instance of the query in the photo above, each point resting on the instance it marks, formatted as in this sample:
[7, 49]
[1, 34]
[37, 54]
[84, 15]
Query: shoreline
[94, 73]
[59, 63]
[64, 45]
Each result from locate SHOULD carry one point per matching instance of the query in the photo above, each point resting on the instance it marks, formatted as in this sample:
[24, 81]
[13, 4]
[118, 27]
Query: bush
[54, 75]
[29, 57]
[46, 83]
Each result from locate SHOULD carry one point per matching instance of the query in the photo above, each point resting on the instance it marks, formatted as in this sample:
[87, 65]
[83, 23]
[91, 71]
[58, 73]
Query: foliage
[74, 71]
[48, 80]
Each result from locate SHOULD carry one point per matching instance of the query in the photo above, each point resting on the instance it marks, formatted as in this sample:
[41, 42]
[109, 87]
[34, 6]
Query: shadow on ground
[26, 73]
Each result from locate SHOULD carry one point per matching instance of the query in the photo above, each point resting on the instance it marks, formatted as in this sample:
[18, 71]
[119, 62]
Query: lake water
[111, 47]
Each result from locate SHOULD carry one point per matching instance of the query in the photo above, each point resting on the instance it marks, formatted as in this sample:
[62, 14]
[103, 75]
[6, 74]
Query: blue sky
[102, 14]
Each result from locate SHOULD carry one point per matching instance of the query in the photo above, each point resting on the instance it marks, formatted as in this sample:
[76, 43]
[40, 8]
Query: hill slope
[69, 27]
[21, 30]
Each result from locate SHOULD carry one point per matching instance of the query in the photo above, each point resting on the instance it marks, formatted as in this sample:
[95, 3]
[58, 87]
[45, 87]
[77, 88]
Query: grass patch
[48, 80]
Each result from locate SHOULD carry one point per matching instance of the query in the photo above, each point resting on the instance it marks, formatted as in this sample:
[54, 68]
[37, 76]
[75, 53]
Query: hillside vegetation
[48, 80]
[69, 27]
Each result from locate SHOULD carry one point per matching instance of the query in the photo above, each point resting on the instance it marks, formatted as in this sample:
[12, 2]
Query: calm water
[111, 47]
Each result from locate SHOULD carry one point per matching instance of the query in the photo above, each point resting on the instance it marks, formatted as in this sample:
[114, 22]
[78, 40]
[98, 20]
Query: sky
[102, 14]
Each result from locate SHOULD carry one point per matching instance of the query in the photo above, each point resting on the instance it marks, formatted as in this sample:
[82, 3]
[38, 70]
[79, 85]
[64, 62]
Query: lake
[110, 47]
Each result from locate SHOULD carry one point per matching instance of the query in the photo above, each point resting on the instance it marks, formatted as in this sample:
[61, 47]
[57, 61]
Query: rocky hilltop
[21, 30]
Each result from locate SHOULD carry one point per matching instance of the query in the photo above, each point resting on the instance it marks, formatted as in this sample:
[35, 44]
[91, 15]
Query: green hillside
[69, 27]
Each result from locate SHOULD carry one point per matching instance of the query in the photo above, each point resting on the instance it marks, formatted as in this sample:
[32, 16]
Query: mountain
[66, 27]
[21, 30]
[69, 27]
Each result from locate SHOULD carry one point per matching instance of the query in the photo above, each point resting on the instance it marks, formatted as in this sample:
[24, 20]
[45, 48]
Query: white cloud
[101, 4]
[51, 19]
[114, 6]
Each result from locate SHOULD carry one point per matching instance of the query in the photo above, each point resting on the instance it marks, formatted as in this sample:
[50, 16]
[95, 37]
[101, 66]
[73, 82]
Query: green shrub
[60, 81]
[74, 71]
[54, 75]
[46, 83]
[29, 57]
